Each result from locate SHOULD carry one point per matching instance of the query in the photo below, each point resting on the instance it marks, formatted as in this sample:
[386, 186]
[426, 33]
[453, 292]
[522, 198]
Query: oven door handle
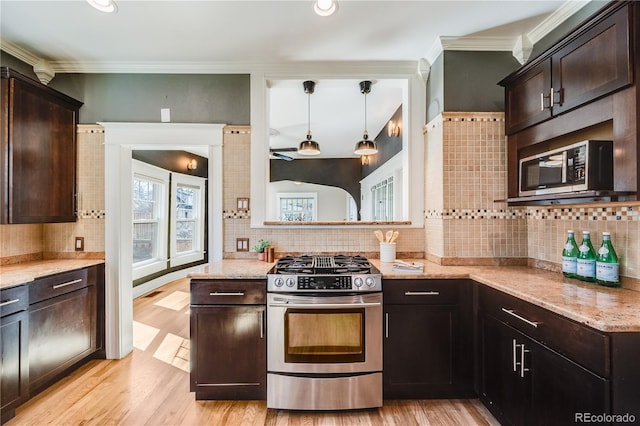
[324, 305]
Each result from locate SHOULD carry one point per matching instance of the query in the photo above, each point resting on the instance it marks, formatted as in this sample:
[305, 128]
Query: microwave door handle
[565, 166]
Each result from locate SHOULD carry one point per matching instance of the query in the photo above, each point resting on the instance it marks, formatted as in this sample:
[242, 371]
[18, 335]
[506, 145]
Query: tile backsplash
[547, 231]
[465, 173]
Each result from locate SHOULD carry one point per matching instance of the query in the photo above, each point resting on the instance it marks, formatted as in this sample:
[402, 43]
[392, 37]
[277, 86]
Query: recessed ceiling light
[325, 7]
[107, 6]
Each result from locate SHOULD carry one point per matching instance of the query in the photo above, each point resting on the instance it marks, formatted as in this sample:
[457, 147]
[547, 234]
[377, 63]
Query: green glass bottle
[570, 256]
[586, 262]
[607, 264]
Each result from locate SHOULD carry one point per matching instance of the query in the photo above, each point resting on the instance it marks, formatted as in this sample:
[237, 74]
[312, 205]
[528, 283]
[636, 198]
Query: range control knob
[291, 282]
[370, 282]
[357, 282]
[278, 282]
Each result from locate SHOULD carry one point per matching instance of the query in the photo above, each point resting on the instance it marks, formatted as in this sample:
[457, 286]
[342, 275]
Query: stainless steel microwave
[582, 166]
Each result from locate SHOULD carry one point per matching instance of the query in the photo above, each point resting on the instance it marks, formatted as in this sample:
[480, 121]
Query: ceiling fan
[277, 152]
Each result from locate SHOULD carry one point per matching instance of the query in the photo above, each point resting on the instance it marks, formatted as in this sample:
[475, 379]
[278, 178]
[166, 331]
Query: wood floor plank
[142, 390]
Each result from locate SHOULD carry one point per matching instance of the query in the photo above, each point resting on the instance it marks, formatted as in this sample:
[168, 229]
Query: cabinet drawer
[56, 285]
[13, 299]
[228, 292]
[422, 292]
[580, 343]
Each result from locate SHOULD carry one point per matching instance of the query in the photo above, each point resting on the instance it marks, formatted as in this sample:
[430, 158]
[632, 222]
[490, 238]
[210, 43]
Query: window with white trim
[382, 200]
[187, 219]
[149, 204]
[297, 206]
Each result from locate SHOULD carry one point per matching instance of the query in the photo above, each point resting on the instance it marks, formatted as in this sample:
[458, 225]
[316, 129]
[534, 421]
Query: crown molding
[564, 12]
[514, 44]
[479, 44]
[332, 67]
[18, 52]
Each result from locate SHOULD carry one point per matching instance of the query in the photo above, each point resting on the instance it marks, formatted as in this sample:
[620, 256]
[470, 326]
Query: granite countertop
[21, 273]
[233, 268]
[605, 309]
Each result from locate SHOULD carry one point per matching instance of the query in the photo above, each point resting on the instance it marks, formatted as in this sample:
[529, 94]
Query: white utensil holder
[387, 252]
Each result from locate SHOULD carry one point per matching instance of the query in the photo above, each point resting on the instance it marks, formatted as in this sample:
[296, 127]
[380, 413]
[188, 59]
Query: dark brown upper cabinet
[583, 87]
[38, 148]
[592, 63]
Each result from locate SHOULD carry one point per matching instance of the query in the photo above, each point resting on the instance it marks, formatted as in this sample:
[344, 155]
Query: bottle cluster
[584, 263]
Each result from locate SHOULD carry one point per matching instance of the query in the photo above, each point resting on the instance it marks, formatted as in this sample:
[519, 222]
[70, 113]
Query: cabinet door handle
[523, 319]
[261, 324]
[57, 286]
[227, 293]
[386, 325]
[9, 302]
[542, 98]
[421, 293]
[515, 356]
[522, 367]
[553, 94]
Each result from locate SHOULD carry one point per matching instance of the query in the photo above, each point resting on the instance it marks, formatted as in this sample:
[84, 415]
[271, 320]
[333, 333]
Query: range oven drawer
[228, 292]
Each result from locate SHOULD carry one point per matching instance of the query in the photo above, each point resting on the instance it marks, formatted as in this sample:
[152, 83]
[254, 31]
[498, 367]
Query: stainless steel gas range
[324, 333]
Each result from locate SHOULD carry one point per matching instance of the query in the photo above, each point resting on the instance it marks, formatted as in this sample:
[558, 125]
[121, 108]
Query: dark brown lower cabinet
[66, 320]
[228, 339]
[62, 332]
[524, 382]
[428, 339]
[14, 368]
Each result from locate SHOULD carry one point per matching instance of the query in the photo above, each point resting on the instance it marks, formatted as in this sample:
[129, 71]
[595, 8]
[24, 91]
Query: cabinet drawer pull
[523, 319]
[227, 293]
[421, 293]
[9, 302]
[386, 325]
[57, 286]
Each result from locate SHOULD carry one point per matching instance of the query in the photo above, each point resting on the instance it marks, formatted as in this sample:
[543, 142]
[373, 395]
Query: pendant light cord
[309, 114]
[365, 115]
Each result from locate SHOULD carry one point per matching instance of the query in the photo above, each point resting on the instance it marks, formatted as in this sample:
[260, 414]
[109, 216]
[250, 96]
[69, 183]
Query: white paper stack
[401, 266]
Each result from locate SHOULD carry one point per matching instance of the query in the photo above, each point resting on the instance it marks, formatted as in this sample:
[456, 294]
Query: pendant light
[308, 146]
[365, 146]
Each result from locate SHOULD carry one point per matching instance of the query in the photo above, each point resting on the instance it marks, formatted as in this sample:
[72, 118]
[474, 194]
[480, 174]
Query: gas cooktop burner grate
[309, 265]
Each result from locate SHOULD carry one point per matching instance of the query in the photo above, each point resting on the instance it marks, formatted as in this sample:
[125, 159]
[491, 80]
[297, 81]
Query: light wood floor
[151, 387]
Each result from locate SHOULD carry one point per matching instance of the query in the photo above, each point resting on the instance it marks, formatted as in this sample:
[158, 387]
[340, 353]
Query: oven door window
[324, 335]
